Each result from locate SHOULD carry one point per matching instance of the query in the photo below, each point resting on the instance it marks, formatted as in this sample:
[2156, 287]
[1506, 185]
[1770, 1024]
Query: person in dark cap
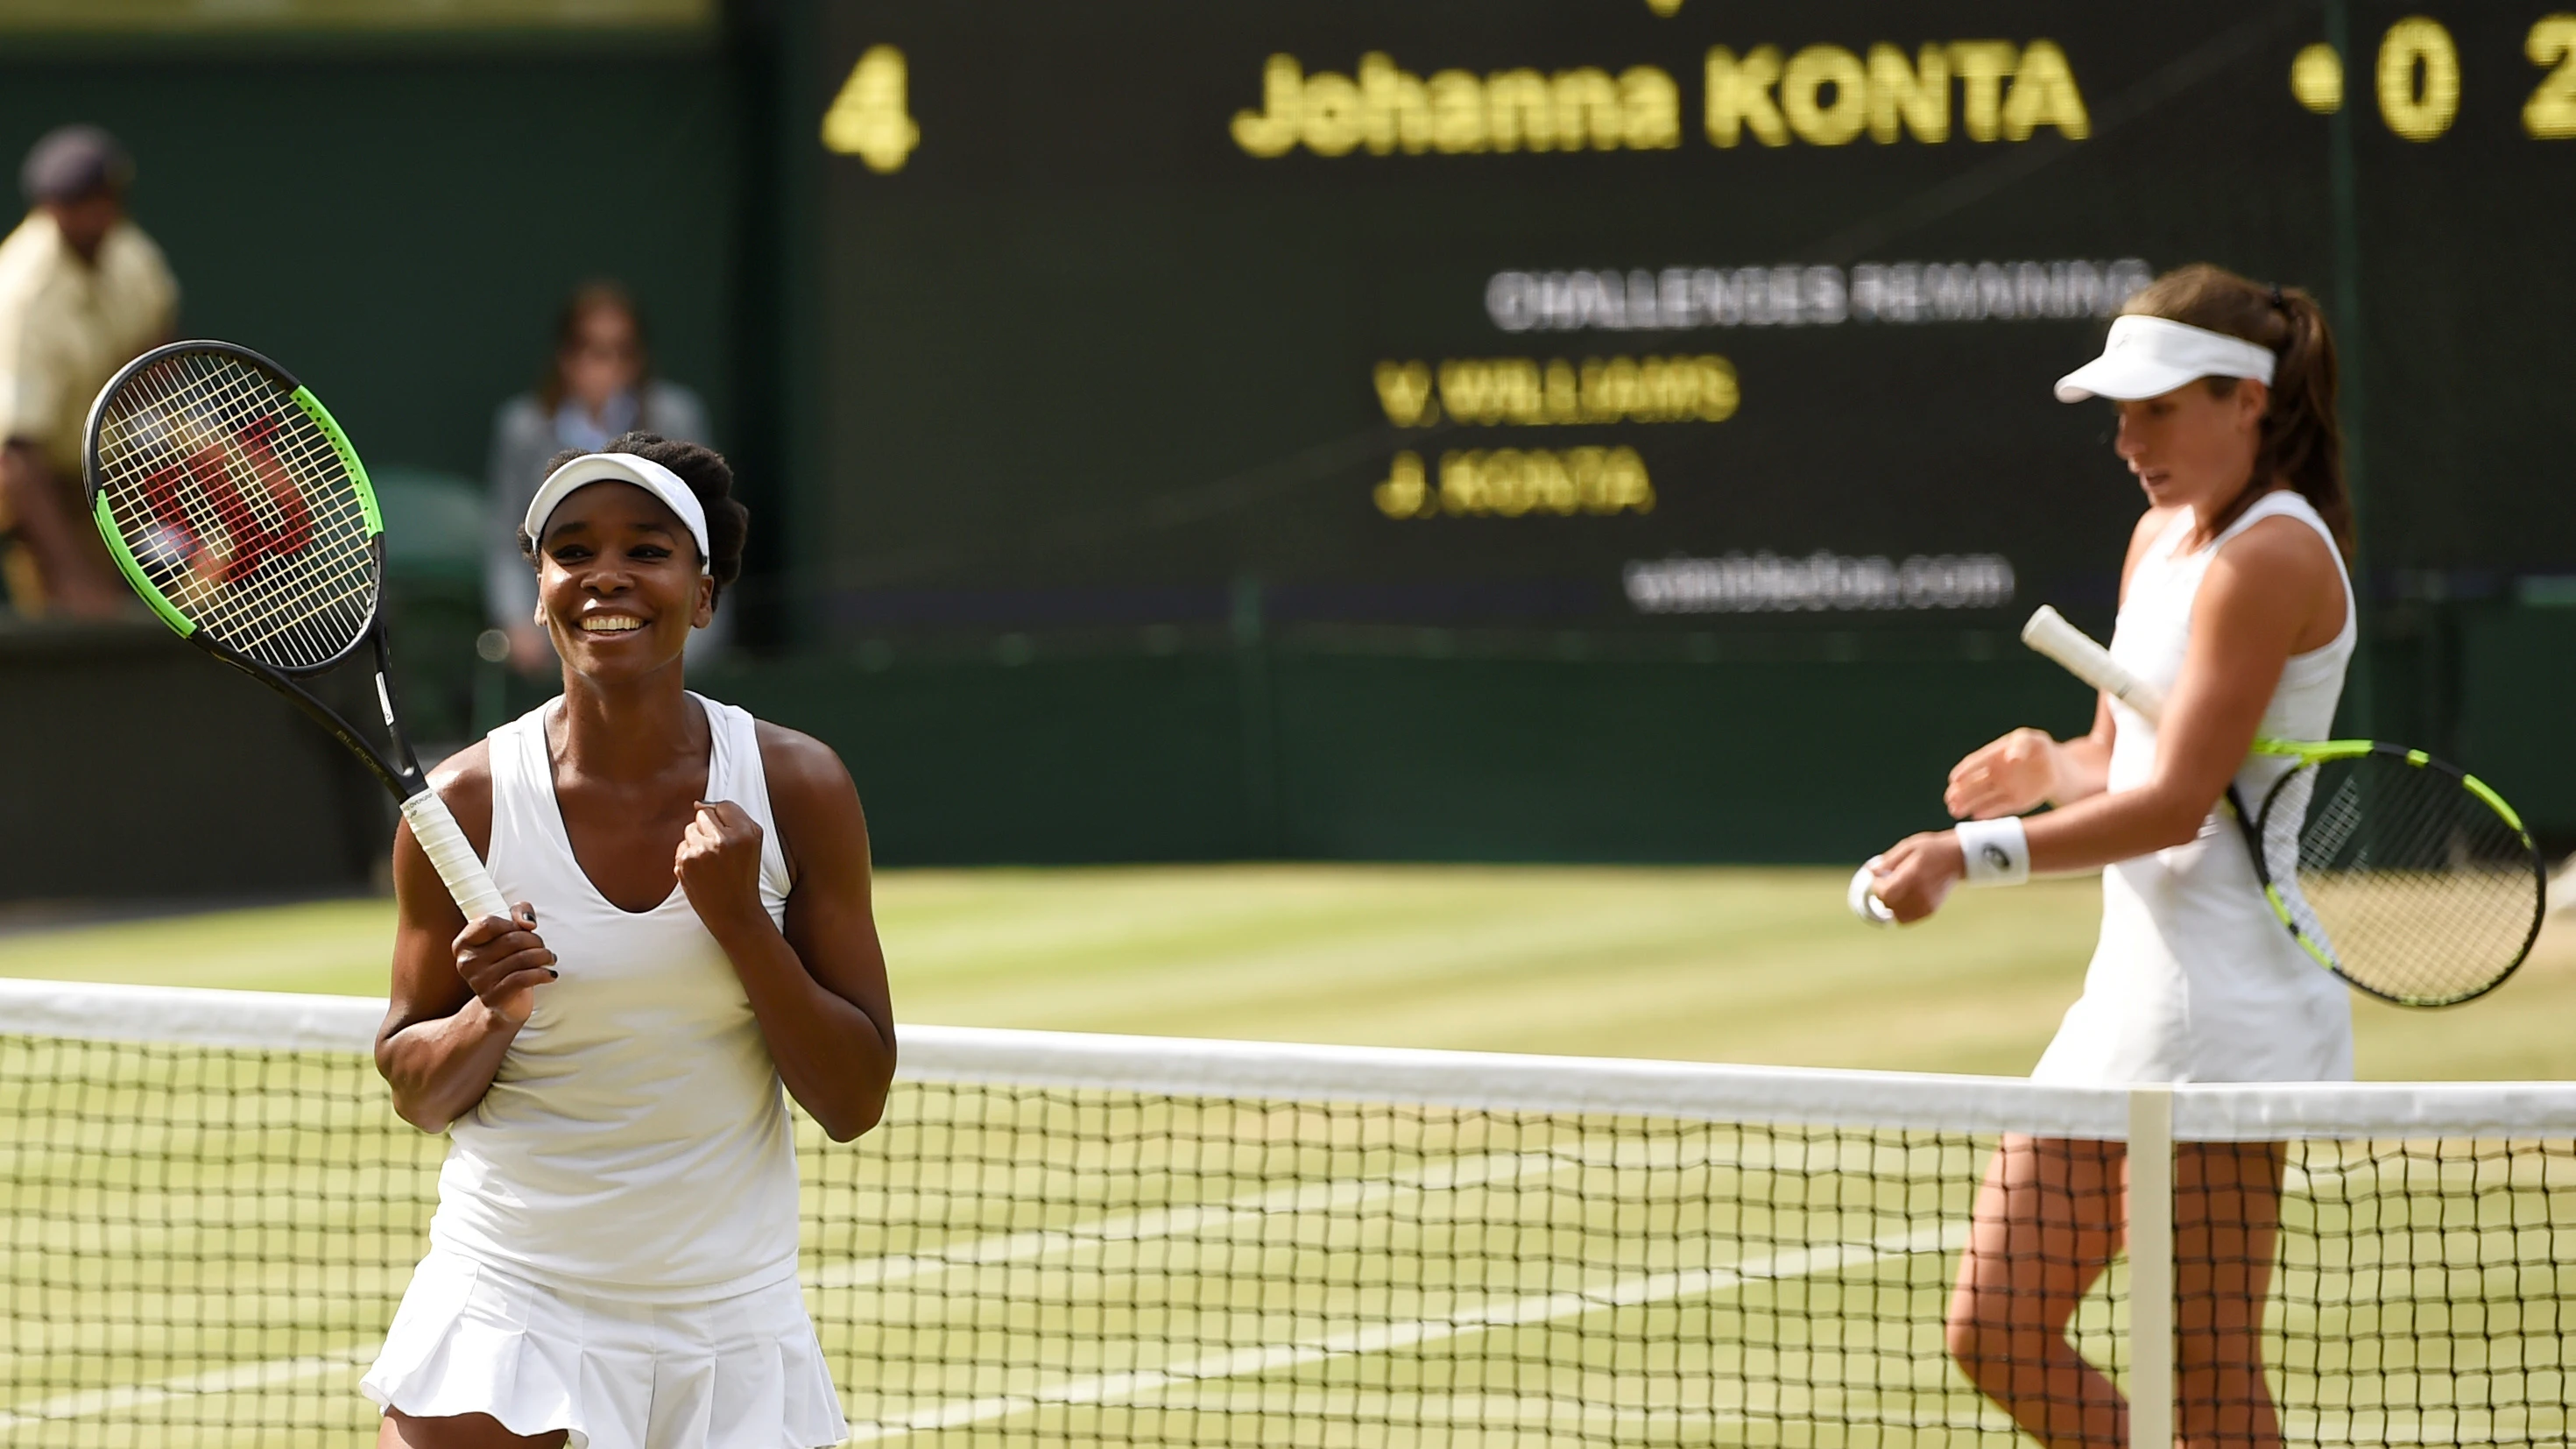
[82, 292]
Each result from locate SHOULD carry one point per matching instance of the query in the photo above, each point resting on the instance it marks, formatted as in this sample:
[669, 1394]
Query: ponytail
[2301, 444]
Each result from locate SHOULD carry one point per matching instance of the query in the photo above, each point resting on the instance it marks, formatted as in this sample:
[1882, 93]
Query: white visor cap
[2150, 356]
[644, 473]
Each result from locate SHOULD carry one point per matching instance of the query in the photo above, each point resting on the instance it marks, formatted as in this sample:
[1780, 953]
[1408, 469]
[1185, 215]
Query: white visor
[644, 473]
[2149, 357]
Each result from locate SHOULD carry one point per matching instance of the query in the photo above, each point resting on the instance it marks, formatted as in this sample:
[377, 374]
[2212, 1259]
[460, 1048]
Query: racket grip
[2050, 634]
[444, 842]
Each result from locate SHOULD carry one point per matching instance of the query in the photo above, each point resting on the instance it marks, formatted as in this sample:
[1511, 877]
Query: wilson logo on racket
[194, 496]
[237, 510]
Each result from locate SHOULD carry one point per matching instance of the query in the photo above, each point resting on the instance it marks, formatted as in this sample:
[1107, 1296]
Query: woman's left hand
[1916, 875]
[718, 862]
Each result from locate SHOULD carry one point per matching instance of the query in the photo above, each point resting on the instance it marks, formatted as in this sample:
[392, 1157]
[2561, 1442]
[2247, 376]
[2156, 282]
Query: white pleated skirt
[737, 1373]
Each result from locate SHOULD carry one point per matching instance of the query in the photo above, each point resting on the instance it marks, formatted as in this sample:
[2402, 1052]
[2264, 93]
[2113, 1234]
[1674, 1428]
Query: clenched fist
[718, 864]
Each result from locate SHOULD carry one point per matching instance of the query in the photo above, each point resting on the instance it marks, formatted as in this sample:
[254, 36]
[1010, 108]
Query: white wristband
[1996, 851]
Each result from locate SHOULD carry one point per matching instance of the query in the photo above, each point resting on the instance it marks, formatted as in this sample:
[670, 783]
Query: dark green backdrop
[398, 220]
[397, 223]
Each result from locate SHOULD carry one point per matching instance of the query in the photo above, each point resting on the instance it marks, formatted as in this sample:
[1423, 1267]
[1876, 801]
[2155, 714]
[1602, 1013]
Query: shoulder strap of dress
[522, 779]
[735, 772]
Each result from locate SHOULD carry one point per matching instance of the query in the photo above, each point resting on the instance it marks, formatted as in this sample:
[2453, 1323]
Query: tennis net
[208, 1213]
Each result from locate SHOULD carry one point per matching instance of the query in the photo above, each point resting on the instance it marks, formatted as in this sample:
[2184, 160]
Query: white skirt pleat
[737, 1373]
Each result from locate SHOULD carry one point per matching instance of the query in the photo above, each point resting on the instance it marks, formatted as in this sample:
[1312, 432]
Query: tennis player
[613, 1260]
[2235, 602]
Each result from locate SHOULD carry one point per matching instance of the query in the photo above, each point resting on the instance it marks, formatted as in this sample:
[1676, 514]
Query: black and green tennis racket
[240, 513]
[2405, 876]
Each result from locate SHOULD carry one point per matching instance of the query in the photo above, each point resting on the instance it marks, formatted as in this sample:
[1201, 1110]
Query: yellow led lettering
[1650, 108]
[1387, 110]
[868, 119]
[1404, 390]
[1331, 114]
[2316, 78]
[1273, 130]
[1518, 482]
[1804, 84]
[1395, 108]
[1588, 110]
[1405, 493]
[1739, 97]
[1917, 94]
[1824, 95]
[2419, 78]
[1525, 392]
[1982, 67]
[1564, 394]
[2044, 94]
[1520, 111]
[2550, 114]
[1457, 112]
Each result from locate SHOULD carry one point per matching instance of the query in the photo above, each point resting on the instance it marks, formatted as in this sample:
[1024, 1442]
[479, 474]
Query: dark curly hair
[708, 476]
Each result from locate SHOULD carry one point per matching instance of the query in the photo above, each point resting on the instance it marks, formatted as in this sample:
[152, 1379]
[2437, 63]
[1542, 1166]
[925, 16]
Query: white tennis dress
[2194, 979]
[614, 1251]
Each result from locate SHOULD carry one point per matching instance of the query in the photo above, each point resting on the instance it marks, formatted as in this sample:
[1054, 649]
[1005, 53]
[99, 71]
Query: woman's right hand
[2013, 775]
[505, 961]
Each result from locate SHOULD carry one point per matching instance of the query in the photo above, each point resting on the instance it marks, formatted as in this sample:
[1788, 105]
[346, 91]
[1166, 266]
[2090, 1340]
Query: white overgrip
[444, 842]
[2050, 634]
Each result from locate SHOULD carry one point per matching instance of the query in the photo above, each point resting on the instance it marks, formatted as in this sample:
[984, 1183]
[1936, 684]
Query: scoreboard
[1634, 314]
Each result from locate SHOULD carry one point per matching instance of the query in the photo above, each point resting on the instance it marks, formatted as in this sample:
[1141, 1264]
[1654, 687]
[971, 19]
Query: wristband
[1996, 851]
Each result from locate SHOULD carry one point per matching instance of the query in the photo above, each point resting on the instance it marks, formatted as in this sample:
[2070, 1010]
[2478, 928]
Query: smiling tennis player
[2235, 603]
[613, 1259]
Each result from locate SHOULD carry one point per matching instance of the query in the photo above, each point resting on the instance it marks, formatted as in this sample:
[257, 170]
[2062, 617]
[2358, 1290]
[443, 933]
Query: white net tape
[207, 1213]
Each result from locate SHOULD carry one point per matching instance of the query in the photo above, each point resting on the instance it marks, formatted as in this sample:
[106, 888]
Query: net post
[2151, 1268]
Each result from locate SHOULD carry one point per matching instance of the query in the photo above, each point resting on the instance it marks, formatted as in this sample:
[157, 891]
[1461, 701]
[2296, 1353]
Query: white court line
[1452, 1174]
[1516, 1312]
[90, 1403]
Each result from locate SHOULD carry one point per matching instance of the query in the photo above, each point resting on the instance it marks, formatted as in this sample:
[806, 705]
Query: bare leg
[2048, 1220]
[464, 1431]
[2227, 1221]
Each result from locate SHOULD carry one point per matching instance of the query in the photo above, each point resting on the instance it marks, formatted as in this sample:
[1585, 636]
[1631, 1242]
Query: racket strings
[2418, 887]
[220, 524]
[238, 509]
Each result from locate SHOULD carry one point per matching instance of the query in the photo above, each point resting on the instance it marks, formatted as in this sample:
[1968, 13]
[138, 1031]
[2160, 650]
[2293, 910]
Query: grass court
[1071, 1268]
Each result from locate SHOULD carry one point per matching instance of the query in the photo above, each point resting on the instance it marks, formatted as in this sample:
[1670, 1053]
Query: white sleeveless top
[2194, 979]
[633, 1143]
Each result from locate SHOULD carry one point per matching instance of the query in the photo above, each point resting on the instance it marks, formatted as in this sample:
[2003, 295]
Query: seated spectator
[599, 385]
[82, 292]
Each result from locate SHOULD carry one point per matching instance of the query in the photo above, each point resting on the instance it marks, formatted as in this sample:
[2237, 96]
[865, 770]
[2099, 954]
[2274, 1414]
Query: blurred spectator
[82, 292]
[600, 384]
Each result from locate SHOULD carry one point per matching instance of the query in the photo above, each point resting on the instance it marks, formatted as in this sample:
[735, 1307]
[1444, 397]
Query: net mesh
[237, 508]
[2418, 887]
[1069, 1241]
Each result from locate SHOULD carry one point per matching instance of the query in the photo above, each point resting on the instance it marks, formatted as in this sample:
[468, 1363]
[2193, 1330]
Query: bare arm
[460, 992]
[2026, 769]
[818, 987]
[2260, 595]
[2268, 591]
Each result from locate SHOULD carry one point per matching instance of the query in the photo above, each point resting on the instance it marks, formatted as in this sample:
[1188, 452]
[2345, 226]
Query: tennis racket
[239, 512]
[2405, 876]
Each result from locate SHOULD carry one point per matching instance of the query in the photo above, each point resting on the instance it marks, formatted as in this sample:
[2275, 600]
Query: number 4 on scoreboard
[869, 118]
